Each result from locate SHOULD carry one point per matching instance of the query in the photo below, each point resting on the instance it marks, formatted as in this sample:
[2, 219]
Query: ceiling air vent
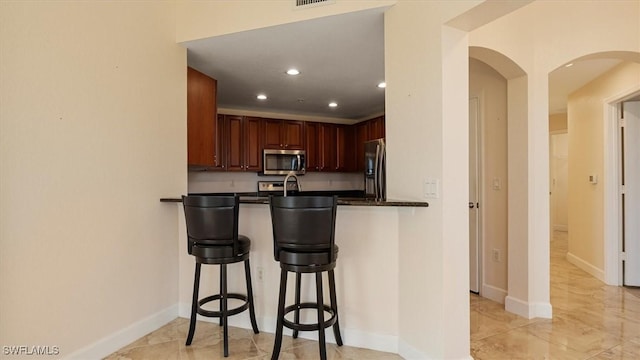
[303, 4]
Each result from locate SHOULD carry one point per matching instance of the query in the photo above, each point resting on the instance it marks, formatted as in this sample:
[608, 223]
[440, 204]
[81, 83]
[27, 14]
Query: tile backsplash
[218, 181]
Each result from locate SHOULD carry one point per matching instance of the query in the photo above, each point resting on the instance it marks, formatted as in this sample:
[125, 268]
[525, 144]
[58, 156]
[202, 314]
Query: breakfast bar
[367, 274]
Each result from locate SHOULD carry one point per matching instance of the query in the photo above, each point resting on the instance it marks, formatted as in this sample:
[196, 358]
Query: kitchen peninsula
[367, 272]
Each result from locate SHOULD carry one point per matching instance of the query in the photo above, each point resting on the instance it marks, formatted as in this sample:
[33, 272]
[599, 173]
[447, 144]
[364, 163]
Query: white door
[474, 234]
[559, 181]
[631, 195]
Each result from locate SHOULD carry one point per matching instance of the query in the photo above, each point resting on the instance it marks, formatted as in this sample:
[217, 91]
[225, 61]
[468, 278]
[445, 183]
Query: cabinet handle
[281, 145]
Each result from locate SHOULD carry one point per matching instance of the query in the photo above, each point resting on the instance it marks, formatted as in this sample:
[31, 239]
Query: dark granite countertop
[344, 198]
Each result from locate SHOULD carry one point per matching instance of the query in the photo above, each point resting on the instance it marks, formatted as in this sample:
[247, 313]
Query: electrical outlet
[260, 273]
[496, 255]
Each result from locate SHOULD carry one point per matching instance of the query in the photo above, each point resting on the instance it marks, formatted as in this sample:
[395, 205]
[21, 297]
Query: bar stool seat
[214, 254]
[304, 242]
[212, 233]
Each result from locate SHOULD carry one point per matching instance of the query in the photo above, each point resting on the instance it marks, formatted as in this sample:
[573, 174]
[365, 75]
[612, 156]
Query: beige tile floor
[168, 343]
[591, 321]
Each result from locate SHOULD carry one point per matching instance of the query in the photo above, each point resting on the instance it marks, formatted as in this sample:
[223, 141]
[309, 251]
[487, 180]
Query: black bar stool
[304, 242]
[212, 232]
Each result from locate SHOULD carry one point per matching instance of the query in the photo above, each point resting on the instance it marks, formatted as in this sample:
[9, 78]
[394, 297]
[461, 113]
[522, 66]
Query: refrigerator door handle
[376, 179]
[381, 176]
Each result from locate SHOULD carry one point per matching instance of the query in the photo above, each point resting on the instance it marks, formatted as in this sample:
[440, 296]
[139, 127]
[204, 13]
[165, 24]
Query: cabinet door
[345, 154]
[235, 143]
[293, 134]
[201, 119]
[328, 147]
[252, 144]
[273, 134]
[376, 128]
[221, 142]
[361, 135]
[312, 148]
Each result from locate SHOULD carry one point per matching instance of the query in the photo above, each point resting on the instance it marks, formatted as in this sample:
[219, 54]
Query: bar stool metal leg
[220, 305]
[279, 325]
[321, 340]
[252, 311]
[194, 304]
[223, 300]
[296, 317]
[334, 306]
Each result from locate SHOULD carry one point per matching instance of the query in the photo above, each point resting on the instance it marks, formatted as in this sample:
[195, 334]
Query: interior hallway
[591, 320]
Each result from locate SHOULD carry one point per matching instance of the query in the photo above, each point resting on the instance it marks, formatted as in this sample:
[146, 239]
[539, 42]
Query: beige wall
[491, 89]
[92, 134]
[586, 123]
[558, 122]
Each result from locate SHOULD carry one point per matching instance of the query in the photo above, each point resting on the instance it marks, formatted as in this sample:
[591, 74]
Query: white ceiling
[341, 59]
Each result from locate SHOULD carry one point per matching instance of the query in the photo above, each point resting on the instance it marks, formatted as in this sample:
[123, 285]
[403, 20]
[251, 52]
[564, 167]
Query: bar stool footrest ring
[234, 311]
[309, 327]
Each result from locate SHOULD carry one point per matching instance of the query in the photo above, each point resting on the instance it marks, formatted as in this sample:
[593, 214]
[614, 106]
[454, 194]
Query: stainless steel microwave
[282, 162]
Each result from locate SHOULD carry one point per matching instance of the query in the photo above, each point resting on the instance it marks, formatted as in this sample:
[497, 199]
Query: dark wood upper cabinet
[345, 149]
[202, 127]
[311, 131]
[253, 130]
[361, 135]
[327, 143]
[243, 143]
[330, 147]
[283, 134]
[376, 128]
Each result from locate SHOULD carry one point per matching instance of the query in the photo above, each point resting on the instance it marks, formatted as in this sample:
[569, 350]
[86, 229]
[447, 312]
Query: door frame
[479, 185]
[612, 203]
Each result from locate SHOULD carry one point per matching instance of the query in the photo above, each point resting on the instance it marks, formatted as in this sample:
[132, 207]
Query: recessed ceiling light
[382, 85]
[569, 65]
[293, 72]
[333, 104]
[262, 97]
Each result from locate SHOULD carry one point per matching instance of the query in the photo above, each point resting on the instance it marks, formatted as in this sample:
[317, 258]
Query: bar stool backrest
[303, 223]
[211, 220]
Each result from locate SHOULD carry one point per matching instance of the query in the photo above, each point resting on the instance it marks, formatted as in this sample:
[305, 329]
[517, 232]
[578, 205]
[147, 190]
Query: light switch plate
[431, 188]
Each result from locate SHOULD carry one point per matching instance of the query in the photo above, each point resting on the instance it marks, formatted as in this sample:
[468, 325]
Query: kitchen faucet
[291, 174]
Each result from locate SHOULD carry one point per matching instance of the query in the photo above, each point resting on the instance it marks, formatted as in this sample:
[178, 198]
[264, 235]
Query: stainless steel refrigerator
[374, 170]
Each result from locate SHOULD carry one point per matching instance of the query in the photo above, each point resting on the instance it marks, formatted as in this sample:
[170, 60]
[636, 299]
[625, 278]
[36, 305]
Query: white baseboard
[121, 338]
[528, 310]
[408, 352]
[493, 293]
[350, 337]
[583, 265]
